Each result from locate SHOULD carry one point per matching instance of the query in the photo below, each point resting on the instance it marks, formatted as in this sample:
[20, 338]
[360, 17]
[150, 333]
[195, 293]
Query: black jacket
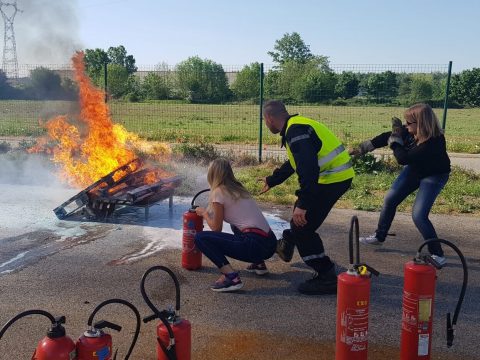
[425, 159]
[304, 152]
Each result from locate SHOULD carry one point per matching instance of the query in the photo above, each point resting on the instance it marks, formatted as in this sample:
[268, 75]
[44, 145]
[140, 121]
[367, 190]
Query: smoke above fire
[89, 145]
[46, 31]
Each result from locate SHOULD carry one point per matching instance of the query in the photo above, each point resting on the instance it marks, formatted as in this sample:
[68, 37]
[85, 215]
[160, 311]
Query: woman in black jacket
[420, 146]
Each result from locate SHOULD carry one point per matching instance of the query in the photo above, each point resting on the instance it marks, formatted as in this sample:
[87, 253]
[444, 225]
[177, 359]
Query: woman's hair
[427, 122]
[220, 173]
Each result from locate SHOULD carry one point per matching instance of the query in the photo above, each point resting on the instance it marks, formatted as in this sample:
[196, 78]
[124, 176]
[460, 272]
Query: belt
[255, 231]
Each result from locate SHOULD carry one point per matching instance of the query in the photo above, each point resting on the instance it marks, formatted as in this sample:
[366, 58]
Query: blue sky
[241, 32]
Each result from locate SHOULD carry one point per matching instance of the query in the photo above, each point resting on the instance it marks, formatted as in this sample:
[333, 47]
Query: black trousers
[306, 238]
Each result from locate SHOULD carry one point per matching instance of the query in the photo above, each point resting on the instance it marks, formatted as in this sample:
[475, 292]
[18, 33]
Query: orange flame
[95, 146]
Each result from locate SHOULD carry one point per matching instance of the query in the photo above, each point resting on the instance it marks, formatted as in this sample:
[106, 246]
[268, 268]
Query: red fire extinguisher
[56, 345]
[192, 223]
[353, 299]
[95, 344]
[174, 334]
[418, 301]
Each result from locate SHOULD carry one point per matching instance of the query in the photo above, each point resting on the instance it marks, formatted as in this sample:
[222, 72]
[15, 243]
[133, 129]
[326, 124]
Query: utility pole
[9, 62]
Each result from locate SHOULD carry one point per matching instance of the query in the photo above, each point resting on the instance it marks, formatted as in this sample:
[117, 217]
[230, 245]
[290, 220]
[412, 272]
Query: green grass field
[239, 124]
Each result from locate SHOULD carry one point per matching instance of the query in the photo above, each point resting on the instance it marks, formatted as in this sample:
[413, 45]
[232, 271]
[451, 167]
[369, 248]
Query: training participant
[420, 146]
[325, 173]
[252, 241]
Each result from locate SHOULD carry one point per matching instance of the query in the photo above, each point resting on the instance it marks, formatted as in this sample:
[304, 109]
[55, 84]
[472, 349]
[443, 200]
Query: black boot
[285, 246]
[320, 284]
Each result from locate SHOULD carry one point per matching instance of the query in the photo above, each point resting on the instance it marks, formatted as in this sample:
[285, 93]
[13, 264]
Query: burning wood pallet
[125, 186]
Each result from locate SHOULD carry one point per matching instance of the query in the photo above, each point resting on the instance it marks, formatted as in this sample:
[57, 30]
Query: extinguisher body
[191, 256]
[353, 299]
[59, 348]
[94, 345]
[417, 313]
[182, 330]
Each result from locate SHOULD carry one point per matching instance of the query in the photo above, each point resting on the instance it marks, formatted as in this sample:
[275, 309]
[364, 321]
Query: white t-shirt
[242, 213]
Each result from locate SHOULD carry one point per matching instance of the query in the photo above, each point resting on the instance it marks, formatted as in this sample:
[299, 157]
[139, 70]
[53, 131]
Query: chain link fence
[199, 101]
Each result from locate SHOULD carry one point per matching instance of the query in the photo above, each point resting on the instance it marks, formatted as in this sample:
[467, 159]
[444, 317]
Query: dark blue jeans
[248, 247]
[428, 190]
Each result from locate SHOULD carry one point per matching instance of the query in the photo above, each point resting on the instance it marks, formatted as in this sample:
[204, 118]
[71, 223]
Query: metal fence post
[447, 91]
[260, 125]
[105, 82]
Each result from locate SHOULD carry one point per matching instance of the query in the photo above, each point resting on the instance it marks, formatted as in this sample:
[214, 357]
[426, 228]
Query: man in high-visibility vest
[325, 173]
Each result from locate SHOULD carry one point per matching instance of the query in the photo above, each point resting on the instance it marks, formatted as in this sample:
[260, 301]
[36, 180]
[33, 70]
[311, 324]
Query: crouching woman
[252, 239]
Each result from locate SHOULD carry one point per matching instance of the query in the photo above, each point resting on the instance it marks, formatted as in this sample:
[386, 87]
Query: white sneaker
[440, 260]
[370, 240]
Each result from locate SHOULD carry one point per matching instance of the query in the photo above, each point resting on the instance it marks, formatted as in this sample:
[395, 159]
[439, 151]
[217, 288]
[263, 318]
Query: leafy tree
[421, 88]
[314, 84]
[117, 81]
[6, 91]
[202, 81]
[465, 87]
[247, 83]
[271, 84]
[156, 87]
[291, 47]
[347, 85]
[118, 55]
[382, 86]
[45, 84]
[95, 60]
[302, 82]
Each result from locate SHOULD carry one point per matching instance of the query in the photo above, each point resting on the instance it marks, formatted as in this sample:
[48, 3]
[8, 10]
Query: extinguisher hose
[157, 313]
[22, 315]
[452, 323]
[195, 197]
[116, 327]
[354, 226]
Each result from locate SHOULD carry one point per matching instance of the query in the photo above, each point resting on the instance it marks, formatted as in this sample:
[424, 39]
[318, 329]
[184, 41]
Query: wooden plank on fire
[142, 192]
[81, 199]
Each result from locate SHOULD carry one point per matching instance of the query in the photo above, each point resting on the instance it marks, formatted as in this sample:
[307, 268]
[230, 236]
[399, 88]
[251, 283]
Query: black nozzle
[450, 331]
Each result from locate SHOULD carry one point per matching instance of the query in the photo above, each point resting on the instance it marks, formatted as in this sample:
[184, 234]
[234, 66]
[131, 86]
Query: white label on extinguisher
[423, 341]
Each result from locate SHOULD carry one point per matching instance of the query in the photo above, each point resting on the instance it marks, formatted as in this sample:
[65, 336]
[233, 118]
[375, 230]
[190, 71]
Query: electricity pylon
[10, 62]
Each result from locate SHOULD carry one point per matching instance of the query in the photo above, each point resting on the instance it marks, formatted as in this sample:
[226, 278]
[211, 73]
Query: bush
[5, 147]
[202, 153]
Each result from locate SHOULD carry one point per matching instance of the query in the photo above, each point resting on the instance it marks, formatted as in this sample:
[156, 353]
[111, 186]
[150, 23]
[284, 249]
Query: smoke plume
[46, 31]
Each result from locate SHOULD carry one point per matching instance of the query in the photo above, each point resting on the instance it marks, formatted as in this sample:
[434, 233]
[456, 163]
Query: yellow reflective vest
[333, 158]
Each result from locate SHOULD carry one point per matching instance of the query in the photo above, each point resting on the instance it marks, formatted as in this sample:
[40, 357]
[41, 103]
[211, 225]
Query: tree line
[298, 76]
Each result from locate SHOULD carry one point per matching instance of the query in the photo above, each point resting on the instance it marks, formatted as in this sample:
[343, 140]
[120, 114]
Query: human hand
[200, 211]
[394, 139]
[396, 126]
[298, 217]
[265, 185]
[362, 149]
[355, 152]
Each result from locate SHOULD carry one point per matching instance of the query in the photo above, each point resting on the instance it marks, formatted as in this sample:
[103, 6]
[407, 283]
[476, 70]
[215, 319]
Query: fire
[92, 146]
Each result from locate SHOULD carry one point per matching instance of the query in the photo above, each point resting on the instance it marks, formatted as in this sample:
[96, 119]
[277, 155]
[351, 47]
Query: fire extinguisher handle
[372, 270]
[165, 314]
[149, 318]
[107, 324]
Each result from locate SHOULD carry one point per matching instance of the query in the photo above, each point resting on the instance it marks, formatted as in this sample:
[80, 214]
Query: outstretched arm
[213, 215]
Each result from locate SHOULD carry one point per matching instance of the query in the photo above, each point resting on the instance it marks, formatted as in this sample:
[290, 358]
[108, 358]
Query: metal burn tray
[124, 186]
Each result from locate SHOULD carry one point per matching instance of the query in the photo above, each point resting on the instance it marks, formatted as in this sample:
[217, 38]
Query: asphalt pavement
[267, 319]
